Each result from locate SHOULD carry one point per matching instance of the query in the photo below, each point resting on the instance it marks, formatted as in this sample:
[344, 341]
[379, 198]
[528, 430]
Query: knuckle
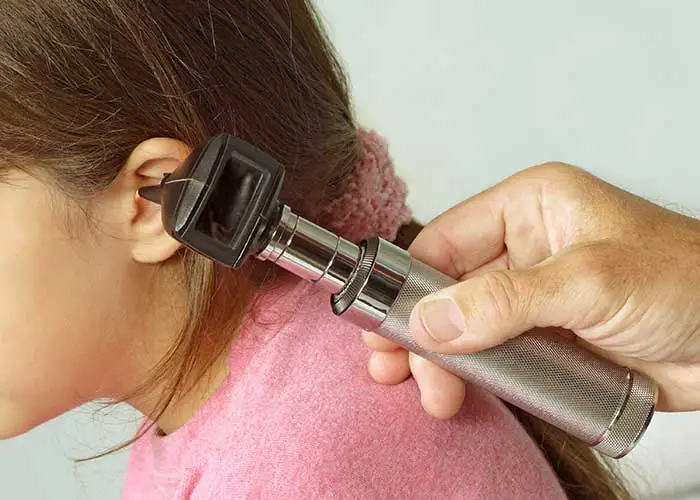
[553, 167]
[562, 180]
[563, 169]
[556, 171]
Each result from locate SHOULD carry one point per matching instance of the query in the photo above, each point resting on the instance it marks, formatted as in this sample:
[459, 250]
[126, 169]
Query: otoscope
[223, 202]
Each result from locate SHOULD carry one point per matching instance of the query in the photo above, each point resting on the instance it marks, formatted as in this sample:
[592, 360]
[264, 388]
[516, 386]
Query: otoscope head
[222, 201]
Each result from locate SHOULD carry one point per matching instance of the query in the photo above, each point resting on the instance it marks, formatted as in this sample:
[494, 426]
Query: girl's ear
[146, 166]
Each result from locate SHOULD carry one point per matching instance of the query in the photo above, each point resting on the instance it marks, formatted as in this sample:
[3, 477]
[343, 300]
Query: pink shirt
[298, 417]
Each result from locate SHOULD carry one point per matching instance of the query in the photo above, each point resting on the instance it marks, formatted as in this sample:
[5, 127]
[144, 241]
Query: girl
[250, 387]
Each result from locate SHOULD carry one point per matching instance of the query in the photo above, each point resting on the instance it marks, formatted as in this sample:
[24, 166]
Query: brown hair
[82, 82]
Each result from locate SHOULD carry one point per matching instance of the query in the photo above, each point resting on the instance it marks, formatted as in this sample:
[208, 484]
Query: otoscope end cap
[633, 420]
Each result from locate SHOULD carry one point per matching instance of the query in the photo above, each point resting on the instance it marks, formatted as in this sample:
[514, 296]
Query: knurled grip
[605, 405]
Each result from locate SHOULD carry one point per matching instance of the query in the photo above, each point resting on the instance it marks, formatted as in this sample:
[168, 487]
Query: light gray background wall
[469, 92]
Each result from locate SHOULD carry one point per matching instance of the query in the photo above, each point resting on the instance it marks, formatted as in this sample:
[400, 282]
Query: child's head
[99, 98]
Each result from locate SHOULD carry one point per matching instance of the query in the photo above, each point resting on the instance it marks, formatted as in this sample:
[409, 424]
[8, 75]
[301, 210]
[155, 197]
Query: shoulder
[316, 426]
[300, 418]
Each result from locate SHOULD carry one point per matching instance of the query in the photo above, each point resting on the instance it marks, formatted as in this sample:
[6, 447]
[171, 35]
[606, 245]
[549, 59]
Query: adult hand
[554, 246]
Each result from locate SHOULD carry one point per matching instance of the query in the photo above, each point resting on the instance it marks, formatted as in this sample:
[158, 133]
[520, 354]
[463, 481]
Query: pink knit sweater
[299, 418]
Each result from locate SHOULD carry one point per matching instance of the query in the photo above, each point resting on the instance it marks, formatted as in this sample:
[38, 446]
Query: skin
[554, 246]
[85, 311]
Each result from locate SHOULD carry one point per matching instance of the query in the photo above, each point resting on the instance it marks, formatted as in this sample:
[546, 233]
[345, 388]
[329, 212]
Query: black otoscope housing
[221, 200]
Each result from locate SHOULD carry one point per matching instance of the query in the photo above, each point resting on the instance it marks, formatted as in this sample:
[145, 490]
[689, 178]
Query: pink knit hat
[373, 202]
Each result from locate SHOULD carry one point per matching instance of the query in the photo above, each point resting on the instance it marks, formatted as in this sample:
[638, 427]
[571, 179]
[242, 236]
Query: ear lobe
[148, 163]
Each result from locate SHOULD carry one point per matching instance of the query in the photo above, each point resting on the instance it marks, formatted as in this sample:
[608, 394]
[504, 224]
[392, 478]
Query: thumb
[491, 308]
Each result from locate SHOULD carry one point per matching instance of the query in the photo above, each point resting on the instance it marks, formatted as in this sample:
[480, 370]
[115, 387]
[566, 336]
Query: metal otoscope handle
[376, 285]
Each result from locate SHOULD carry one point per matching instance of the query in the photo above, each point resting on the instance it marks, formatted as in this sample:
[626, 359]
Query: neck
[151, 382]
[183, 407]
[164, 330]
[192, 391]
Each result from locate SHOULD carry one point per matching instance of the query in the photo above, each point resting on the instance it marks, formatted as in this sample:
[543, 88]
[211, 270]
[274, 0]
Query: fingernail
[442, 319]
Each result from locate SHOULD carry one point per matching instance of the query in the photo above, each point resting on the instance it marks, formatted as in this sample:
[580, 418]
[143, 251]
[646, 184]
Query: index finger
[465, 237]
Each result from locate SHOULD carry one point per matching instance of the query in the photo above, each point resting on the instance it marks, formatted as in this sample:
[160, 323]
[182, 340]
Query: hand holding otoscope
[223, 203]
[618, 270]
